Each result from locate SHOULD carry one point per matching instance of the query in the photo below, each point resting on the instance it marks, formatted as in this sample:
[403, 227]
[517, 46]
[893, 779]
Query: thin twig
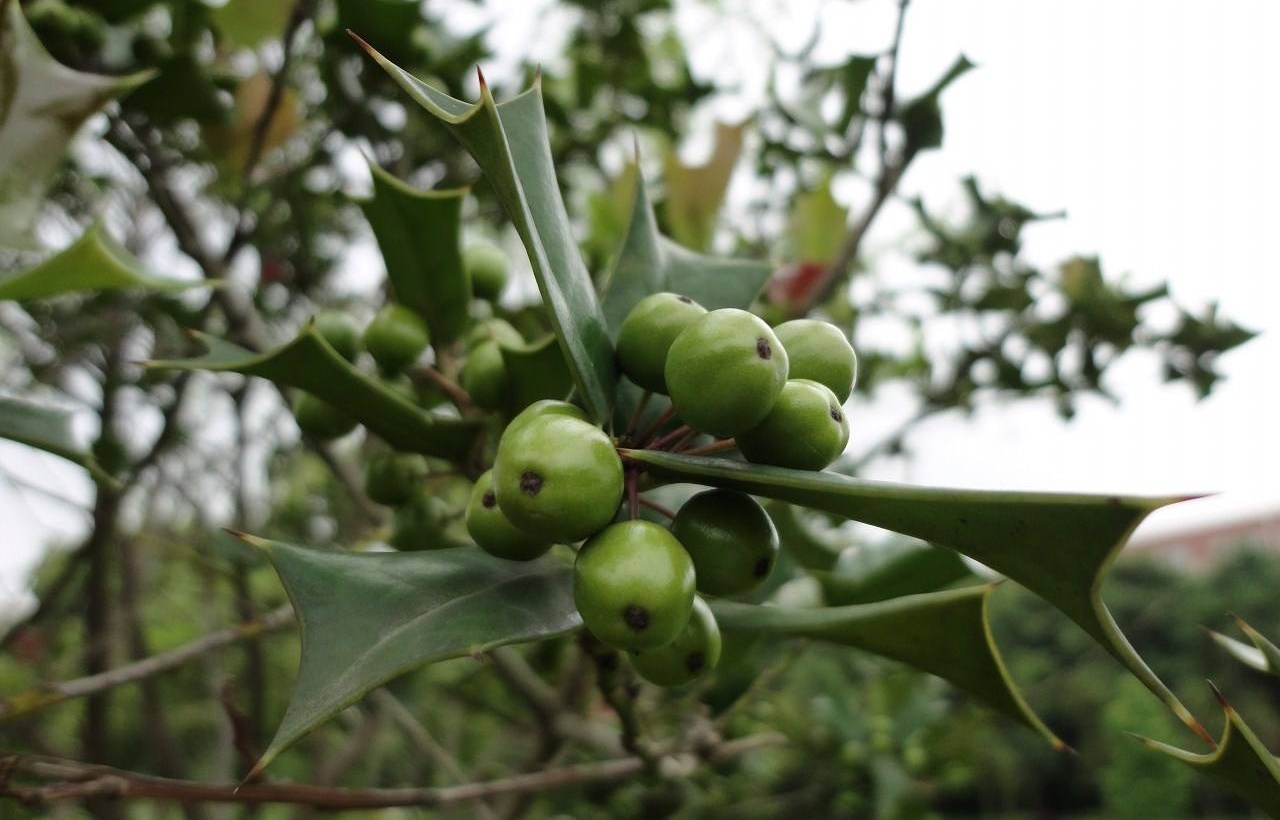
[671, 438]
[635, 417]
[74, 780]
[425, 374]
[51, 694]
[649, 431]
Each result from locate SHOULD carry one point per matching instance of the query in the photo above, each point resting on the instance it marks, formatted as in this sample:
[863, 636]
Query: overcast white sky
[1146, 121]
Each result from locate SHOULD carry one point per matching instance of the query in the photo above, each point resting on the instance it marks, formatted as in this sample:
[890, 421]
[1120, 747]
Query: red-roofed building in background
[1199, 549]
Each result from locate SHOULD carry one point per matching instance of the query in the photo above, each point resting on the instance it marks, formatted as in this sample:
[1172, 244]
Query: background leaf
[864, 575]
[45, 428]
[649, 263]
[419, 234]
[1056, 545]
[509, 142]
[944, 633]
[309, 363]
[95, 261]
[695, 192]
[1263, 656]
[367, 618]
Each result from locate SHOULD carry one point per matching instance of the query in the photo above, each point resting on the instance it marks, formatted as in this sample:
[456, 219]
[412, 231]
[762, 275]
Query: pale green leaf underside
[95, 261]
[1263, 656]
[650, 263]
[309, 363]
[42, 106]
[509, 142]
[944, 633]
[366, 618]
[419, 234]
[1057, 545]
[45, 428]
[1240, 762]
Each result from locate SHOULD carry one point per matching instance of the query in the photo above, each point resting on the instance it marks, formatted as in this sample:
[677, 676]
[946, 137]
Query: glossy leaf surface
[45, 428]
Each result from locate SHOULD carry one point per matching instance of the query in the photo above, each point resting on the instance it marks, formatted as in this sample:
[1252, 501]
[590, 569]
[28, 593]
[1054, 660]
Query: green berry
[487, 266]
[805, 430]
[694, 652]
[493, 532]
[725, 371]
[647, 333]
[557, 477]
[319, 419]
[340, 332]
[633, 584]
[730, 538]
[391, 477]
[820, 352]
[494, 330]
[396, 338]
[546, 407]
[419, 524]
[484, 376]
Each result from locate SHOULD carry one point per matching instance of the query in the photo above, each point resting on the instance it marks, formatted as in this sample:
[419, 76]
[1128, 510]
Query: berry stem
[684, 441]
[671, 437]
[454, 391]
[654, 505]
[635, 417]
[718, 446]
[657, 425]
[632, 481]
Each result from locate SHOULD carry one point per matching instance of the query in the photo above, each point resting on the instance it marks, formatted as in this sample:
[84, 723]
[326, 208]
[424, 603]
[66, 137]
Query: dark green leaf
[536, 371]
[183, 90]
[1056, 545]
[921, 118]
[944, 633]
[1240, 762]
[45, 428]
[419, 234]
[309, 363]
[369, 617]
[650, 263]
[94, 262]
[870, 574]
[509, 142]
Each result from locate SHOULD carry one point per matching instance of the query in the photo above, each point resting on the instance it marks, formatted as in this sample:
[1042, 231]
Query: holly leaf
[1056, 545]
[95, 261]
[510, 144]
[816, 225]
[49, 429]
[695, 192]
[366, 618]
[309, 363]
[1239, 762]
[1263, 656]
[419, 234]
[943, 633]
[810, 550]
[535, 371]
[649, 263]
[867, 574]
[42, 106]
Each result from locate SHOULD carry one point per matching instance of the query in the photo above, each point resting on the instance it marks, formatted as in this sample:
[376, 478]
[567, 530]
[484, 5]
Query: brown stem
[673, 437]
[654, 505]
[718, 446]
[456, 394]
[633, 494]
[635, 417]
[644, 437]
[684, 441]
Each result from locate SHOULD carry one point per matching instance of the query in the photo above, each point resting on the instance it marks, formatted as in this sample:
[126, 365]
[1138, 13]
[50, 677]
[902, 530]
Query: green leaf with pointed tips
[1240, 762]
[810, 549]
[419, 234]
[1263, 656]
[509, 142]
[95, 261]
[309, 363]
[1056, 545]
[877, 573]
[535, 371]
[650, 263]
[45, 428]
[42, 106]
[943, 633]
[369, 617]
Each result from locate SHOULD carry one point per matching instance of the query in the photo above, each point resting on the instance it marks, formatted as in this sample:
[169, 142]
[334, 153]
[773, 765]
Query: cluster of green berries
[558, 478]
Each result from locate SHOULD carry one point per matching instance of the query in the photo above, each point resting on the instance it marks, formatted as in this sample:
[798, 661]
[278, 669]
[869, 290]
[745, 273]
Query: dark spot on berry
[530, 483]
[685, 299]
[836, 415]
[761, 568]
[763, 350]
[637, 617]
[608, 662]
[694, 662]
[488, 500]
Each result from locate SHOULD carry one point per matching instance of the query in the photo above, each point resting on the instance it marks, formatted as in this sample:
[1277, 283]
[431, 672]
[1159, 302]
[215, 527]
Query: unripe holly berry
[340, 332]
[493, 532]
[725, 371]
[820, 352]
[633, 584]
[487, 267]
[557, 477]
[319, 419]
[693, 653]
[494, 330]
[396, 337]
[484, 376]
[647, 333]
[730, 538]
[392, 477]
[545, 407]
[805, 430]
[419, 524]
